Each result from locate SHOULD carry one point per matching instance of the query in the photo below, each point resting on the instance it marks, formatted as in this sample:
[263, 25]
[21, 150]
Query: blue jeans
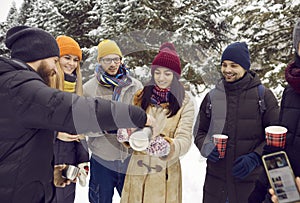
[105, 176]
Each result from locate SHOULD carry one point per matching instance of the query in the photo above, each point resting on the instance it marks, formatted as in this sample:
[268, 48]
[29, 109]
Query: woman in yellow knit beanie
[70, 149]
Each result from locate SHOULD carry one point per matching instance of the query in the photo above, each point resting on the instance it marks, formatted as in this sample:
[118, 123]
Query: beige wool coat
[151, 179]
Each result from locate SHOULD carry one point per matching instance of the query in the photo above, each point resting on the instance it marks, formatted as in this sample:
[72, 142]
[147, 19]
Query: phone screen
[281, 177]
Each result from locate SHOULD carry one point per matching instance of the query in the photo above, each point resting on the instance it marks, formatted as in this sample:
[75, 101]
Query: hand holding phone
[274, 198]
[281, 177]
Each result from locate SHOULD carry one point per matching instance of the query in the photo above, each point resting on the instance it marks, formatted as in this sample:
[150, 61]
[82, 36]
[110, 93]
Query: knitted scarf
[160, 95]
[292, 76]
[70, 82]
[118, 81]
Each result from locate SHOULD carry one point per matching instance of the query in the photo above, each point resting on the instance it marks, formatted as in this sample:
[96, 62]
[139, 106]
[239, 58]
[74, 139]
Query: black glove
[214, 155]
[270, 149]
[259, 194]
[210, 151]
[245, 164]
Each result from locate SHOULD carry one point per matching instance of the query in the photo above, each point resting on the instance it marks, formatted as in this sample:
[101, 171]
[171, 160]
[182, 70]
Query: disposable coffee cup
[276, 136]
[139, 140]
[220, 141]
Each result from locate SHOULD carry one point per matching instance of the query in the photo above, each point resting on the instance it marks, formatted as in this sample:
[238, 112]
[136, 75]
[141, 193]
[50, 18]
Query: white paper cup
[139, 141]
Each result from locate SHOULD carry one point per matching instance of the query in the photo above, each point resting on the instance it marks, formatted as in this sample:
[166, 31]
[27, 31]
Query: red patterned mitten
[158, 147]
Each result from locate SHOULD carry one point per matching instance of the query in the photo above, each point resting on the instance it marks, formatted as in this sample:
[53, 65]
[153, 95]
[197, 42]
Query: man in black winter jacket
[234, 108]
[31, 111]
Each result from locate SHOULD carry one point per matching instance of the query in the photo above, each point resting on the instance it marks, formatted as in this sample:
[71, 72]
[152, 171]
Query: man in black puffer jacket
[31, 111]
[235, 111]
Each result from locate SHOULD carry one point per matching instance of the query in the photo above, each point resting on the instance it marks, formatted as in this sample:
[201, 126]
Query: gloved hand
[245, 164]
[260, 191]
[83, 173]
[158, 147]
[211, 152]
[268, 149]
[122, 135]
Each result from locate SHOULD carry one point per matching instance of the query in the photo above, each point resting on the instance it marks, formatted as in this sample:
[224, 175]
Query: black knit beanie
[237, 52]
[30, 44]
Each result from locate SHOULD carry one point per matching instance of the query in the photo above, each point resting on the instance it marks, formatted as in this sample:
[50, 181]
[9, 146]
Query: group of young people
[86, 128]
[112, 163]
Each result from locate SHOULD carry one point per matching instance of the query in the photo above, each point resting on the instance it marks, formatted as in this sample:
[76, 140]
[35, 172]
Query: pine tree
[267, 27]
[27, 11]
[12, 16]
[78, 18]
[11, 20]
[3, 29]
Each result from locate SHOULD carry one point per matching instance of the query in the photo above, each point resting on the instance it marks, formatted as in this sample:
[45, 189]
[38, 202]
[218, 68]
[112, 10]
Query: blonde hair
[60, 79]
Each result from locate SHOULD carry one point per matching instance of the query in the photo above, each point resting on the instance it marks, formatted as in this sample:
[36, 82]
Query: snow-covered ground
[193, 174]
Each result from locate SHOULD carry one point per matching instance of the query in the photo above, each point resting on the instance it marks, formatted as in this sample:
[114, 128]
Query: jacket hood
[8, 65]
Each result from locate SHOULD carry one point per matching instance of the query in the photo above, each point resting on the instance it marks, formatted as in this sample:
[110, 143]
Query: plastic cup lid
[139, 141]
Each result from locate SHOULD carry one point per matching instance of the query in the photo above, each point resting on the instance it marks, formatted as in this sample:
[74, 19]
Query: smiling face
[163, 77]
[68, 63]
[232, 71]
[110, 63]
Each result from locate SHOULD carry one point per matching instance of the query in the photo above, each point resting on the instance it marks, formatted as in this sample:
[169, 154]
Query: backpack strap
[208, 104]
[261, 101]
[208, 108]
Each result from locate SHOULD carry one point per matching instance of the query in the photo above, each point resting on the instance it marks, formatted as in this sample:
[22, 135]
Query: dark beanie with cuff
[30, 44]
[237, 52]
[168, 58]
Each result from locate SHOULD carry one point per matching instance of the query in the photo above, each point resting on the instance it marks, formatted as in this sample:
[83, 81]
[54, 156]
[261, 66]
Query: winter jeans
[105, 176]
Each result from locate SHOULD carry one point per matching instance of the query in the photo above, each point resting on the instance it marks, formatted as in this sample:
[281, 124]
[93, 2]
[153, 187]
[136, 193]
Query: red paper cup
[220, 141]
[276, 136]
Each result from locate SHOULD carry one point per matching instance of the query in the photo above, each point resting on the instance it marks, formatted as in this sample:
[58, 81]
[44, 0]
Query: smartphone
[281, 177]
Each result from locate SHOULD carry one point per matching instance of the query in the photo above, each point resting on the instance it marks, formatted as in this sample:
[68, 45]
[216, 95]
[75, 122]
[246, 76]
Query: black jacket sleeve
[38, 106]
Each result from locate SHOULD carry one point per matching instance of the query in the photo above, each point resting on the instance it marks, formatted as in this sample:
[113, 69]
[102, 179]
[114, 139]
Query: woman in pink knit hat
[154, 174]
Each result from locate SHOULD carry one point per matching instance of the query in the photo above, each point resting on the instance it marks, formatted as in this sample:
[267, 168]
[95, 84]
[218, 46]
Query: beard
[48, 75]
